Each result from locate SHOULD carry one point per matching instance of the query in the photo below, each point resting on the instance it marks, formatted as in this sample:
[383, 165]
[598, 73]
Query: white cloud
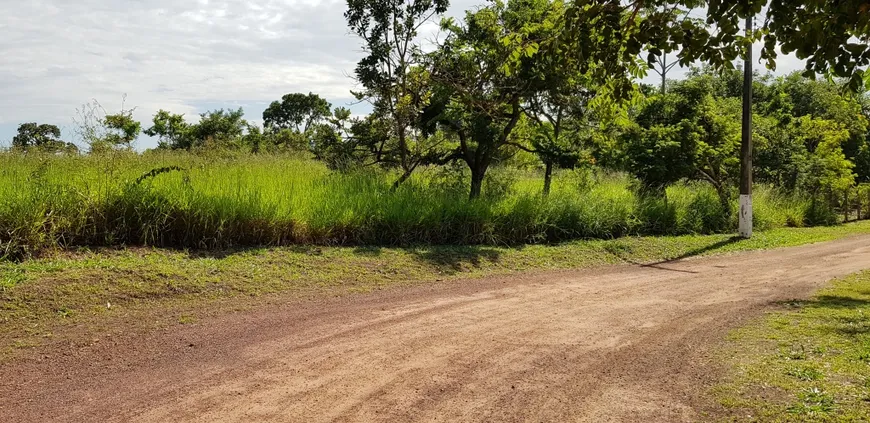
[176, 55]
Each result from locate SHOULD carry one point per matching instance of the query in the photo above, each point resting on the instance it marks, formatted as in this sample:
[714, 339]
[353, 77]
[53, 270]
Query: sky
[185, 56]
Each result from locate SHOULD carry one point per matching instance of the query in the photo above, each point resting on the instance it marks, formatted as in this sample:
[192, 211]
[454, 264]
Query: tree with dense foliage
[121, 128]
[220, 126]
[686, 134]
[225, 128]
[796, 96]
[393, 77]
[43, 137]
[333, 143]
[487, 79]
[826, 166]
[296, 111]
[291, 122]
[171, 129]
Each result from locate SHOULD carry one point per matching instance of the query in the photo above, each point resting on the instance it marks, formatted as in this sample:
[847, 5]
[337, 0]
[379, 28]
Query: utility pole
[662, 62]
[745, 218]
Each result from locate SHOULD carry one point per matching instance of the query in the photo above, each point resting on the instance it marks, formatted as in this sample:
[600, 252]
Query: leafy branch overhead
[831, 35]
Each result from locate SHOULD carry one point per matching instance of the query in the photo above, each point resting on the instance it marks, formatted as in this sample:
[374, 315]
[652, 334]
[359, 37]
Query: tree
[559, 114]
[222, 127]
[172, 130]
[333, 143]
[43, 137]
[778, 153]
[825, 167]
[122, 129]
[486, 77]
[287, 139]
[659, 63]
[391, 74]
[612, 33]
[661, 67]
[686, 133]
[797, 96]
[103, 131]
[296, 111]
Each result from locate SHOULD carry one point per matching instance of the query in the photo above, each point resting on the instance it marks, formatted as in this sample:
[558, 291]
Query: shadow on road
[660, 264]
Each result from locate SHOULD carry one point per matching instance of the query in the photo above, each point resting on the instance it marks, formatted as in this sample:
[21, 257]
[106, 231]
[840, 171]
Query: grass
[44, 299]
[49, 202]
[809, 362]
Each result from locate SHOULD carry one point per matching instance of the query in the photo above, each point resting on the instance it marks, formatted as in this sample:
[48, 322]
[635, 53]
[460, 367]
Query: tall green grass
[219, 202]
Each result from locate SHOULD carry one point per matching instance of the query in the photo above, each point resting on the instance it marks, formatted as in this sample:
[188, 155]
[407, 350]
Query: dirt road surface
[614, 344]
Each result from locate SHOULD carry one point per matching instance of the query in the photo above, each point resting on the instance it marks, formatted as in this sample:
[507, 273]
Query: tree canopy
[831, 35]
[43, 137]
[296, 111]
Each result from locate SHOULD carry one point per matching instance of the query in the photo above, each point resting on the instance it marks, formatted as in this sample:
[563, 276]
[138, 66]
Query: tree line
[557, 81]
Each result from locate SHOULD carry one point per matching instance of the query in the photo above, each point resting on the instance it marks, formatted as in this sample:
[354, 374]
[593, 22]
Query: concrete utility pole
[745, 218]
[662, 62]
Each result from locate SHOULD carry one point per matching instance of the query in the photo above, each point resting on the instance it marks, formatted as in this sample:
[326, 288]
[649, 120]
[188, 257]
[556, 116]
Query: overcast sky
[186, 56]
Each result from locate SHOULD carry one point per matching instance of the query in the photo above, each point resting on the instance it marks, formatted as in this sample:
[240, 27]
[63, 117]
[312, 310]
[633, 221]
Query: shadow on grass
[456, 259]
[368, 250]
[838, 301]
[853, 324]
[223, 253]
[825, 301]
[615, 250]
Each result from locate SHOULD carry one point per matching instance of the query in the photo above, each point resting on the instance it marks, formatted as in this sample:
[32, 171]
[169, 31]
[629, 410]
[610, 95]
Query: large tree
[391, 75]
[686, 133]
[796, 96]
[43, 137]
[121, 128]
[224, 128]
[220, 128]
[489, 68]
[296, 111]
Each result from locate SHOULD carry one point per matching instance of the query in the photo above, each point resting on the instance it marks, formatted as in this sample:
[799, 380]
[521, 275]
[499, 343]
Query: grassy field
[180, 200]
[42, 298]
[809, 362]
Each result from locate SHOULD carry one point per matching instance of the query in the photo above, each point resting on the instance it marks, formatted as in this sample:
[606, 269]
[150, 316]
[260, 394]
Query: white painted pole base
[744, 225]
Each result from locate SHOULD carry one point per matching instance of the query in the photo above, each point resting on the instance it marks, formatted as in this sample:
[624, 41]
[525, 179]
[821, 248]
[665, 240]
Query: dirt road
[622, 344]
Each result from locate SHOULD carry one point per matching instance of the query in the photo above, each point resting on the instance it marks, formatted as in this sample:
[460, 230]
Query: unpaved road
[622, 344]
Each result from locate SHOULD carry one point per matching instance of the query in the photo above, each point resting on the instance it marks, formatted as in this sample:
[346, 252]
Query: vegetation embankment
[807, 362]
[455, 131]
[42, 296]
[186, 201]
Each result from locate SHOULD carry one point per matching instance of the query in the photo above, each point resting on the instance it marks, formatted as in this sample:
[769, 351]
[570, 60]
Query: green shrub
[818, 212]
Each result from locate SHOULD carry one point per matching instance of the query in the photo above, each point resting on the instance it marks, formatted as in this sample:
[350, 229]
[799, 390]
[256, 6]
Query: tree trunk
[664, 62]
[867, 214]
[477, 174]
[724, 200]
[404, 177]
[846, 206]
[548, 177]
